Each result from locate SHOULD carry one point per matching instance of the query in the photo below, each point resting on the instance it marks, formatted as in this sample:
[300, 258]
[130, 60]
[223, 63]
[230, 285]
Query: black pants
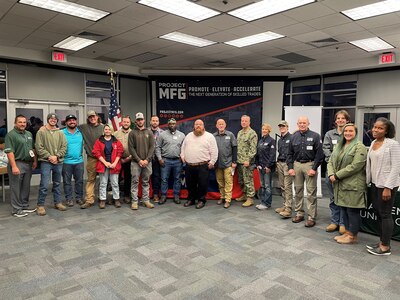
[384, 213]
[197, 182]
[156, 177]
[126, 168]
[351, 219]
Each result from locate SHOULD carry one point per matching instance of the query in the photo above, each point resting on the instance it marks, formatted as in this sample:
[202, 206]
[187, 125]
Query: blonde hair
[267, 126]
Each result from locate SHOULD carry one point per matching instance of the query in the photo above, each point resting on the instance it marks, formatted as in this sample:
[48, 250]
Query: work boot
[242, 198]
[117, 203]
[342, 229]
[249, 202]
[227, 204]
[162, 200]
[102, 204]
[156, 199]
[331, 228]
[347, 239]
[86, 205]
[148, 204]
[127, 200]
[69, 203]
[286, 214]
[134, 206]
[60, 206]
[177, 200]
[41, 211]
[280, 209]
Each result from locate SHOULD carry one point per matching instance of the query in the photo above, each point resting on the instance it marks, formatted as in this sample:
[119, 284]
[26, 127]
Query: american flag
[114, 113]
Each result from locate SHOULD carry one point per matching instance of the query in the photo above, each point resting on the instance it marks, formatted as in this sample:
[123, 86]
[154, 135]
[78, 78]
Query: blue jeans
[265, 190]
[174, 166]
[76, 171]
[336, 216]
[48, 170]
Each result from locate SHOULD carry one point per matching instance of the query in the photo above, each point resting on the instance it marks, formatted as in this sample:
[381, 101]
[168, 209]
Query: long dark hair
[390, 129]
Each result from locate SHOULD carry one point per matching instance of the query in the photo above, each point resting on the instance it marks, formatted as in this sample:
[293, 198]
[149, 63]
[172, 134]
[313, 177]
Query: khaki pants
[225, 182]
[91, 179]
[246, 180]
[301, 170]
[285, 183]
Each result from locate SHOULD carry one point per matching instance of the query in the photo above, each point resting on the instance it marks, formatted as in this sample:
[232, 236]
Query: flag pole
[114, 113]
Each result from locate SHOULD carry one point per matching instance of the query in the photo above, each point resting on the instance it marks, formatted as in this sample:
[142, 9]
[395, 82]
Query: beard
[198, 131]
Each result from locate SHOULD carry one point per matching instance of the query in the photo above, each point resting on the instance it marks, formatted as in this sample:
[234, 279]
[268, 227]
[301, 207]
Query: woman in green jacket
[346, 170]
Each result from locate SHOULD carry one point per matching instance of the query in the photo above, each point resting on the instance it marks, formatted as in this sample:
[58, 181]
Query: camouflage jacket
[247, 146]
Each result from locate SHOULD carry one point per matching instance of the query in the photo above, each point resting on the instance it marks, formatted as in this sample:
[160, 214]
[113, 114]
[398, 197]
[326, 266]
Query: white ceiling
[131, 32]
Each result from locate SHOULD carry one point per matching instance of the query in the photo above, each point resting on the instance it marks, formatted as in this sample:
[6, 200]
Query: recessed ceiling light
[266, 8]
[255, 39]
[182, 8]
[68, 8]
[374, 9]
[372, 44]
[187, 39]
[74, 43]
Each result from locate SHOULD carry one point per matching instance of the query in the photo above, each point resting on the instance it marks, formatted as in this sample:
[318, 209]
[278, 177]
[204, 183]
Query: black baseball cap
[69, 117]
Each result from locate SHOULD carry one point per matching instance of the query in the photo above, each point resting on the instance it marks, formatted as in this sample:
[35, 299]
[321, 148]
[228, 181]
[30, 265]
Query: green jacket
[49, 143]
[349, 167]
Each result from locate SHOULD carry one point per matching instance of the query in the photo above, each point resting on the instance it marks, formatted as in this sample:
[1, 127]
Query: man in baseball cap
[51, 116]
[91, 113]
[139, 116]
[283, 123]
[70, 117]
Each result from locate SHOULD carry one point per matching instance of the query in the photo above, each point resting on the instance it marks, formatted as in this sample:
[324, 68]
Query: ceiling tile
[311, 36]
[328, 21]
[309, 12]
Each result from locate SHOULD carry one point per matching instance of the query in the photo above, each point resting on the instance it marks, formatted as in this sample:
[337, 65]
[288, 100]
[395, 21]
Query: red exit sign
[387, 58]
[58, 56]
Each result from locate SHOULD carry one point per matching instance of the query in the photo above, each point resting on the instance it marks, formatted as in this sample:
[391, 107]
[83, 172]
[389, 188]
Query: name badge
[309, 147]
[227, 137]
[265, 144]
[287, 142]
[310, 139]
[31, 154]
[334, 142]
[174, 137]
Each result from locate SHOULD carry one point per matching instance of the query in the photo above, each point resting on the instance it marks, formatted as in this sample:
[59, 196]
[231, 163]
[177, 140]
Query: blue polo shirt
[74, 147]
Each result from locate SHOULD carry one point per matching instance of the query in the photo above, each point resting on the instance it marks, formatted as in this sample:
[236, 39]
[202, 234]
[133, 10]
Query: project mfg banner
[208, 98]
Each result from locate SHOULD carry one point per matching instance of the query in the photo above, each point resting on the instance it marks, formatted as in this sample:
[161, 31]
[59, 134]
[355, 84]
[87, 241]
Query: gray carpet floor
[173, 252]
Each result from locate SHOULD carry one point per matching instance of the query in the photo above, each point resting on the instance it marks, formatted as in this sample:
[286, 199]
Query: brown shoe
[249, 202]
[340, 236]
[342, 229]
[242, 198]
[134, 206]
[156, 199]
[41, 211]
[347, 239]
[117, 203]
[221, 201]
[86, 205]
[331, 228]
[227, 204]
[297, 219]
[102, 204]
[110, 202]
[69, 203]
[127, 200]
[280, 209]
[309, 223]
[286, 214]
[60, 207]
[177, 200]
[148, 204]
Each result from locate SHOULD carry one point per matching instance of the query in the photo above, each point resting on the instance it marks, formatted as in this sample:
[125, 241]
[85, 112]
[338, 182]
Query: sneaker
[20, 214]
[69, 203]
[378, 251]
[372, 246]
[280, 209]
[148, 204]
[262, 207]
[29, 210]
[249, 202]
[60, 206]
[41, 211]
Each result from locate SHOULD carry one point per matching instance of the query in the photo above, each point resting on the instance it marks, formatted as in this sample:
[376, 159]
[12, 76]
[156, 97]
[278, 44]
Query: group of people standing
[155, 154]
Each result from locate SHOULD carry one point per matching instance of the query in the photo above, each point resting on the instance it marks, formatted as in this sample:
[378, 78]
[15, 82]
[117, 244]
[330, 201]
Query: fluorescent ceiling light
[182, 8]
[68, 8]
[371, 10]
[187, 39]
[74, 43]
[255, 39]
[372, 44]
[266, 8]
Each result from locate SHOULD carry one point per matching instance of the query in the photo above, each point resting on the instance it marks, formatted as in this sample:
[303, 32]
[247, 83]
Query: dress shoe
[249, 202]
[201, 204]
[297, 219]
[188, 203]
[280, 209]
[342, 229]
[309, 223]
[117, 203]
[227, 204]
[331, 228]
[177, 200]
[102, 204]
[162, 200]
[221, 201]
